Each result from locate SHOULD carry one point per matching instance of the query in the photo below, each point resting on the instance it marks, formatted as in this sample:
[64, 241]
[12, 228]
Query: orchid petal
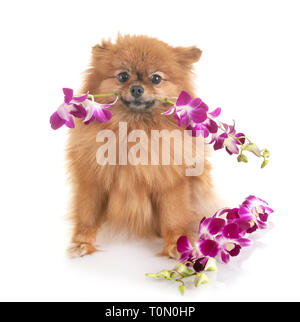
[56, 121]
[231, 231]
[102, 115]
[215, 113]
[243, 225]
[92, 119]
[198, 115]
[209, 248]
[232, 128]
[204, 106]
[231, 146]
[200, 264]
[211, 126]
[232, 214]
[183, 244]
[244, 242]
[252, 229]
[195, 131]
[80, 99]
[63, 112]
[78, 111]
[111, 104]
[216, 225]
[226, 126]
[241, 137]
[263, 217]
[225, 257]
[245, 213]
[90, 108]
[182, 119]
[68, 94]
[70, 123]
[219, 143]
[170, 111]
[183, 99]
[235, 251]
[195, 102]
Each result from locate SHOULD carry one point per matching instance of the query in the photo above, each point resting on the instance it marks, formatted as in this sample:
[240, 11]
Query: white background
[250, 67]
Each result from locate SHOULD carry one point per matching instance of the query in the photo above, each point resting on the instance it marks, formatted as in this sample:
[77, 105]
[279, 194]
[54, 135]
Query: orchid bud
[266, 153]
[183, 269]
[242, 158]
[182, 289]
[264, 163]
[211, 265]
[252, 148]
[152, 275]
[164, 274]
[200, 278]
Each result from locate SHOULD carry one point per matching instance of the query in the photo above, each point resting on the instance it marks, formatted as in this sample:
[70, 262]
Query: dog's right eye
[123, 77]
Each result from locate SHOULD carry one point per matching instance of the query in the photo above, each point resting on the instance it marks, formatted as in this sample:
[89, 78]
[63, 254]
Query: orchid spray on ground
[222, 236]
[194, 114]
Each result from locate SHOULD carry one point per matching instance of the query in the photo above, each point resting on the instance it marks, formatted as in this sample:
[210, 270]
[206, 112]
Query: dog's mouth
[138, 104]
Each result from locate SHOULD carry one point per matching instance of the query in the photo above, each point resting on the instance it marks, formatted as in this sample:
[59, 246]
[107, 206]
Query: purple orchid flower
[79, 107]
[200, 264]
[256, 211]
[70, 98]
[231, 241]
[224, 234]
[189, 254]
[232, 216]
[187, 251]
[207, 127]
[219, 237]
[96, 111]
[228, 139]
[63, 115]
[187, 109]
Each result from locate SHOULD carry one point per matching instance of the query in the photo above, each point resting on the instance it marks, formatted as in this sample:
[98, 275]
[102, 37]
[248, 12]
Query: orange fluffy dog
[145, 199]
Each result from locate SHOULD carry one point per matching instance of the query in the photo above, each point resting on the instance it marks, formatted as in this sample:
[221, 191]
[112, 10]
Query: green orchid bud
[175, 275]
[164, 274]
[182, 289]
[152, 275]
[264, 163]
[211, 265]
[252, 148]
[266, 153]
[242, 158]
[200, 278]
[183, 269]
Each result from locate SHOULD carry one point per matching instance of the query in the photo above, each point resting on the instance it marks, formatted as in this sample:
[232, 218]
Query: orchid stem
[165, 100]
[105, 95]
[180, 279]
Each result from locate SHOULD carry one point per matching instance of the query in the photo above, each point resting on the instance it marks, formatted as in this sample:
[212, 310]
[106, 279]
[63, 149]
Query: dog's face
[140, 69]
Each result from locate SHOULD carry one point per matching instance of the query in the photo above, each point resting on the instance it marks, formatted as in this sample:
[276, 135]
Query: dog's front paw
[80, 250]
[170, 250]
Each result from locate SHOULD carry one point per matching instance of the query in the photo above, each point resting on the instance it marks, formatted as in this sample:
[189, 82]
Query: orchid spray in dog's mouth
[146, 85]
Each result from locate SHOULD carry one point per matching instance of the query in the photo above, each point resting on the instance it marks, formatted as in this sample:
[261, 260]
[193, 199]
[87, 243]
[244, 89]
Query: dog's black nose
[136, 91]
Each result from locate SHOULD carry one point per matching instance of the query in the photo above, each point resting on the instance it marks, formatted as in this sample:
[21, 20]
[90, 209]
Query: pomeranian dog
[147, 200]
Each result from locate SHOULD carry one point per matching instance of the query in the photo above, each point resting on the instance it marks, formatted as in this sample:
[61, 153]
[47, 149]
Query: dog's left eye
[155, 79]
[123, 77]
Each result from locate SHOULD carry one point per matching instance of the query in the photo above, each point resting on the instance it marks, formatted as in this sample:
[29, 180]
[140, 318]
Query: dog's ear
[102, 48]
[187, 55]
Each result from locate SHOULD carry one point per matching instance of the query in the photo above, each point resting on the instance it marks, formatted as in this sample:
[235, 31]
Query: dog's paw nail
[80, 249]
